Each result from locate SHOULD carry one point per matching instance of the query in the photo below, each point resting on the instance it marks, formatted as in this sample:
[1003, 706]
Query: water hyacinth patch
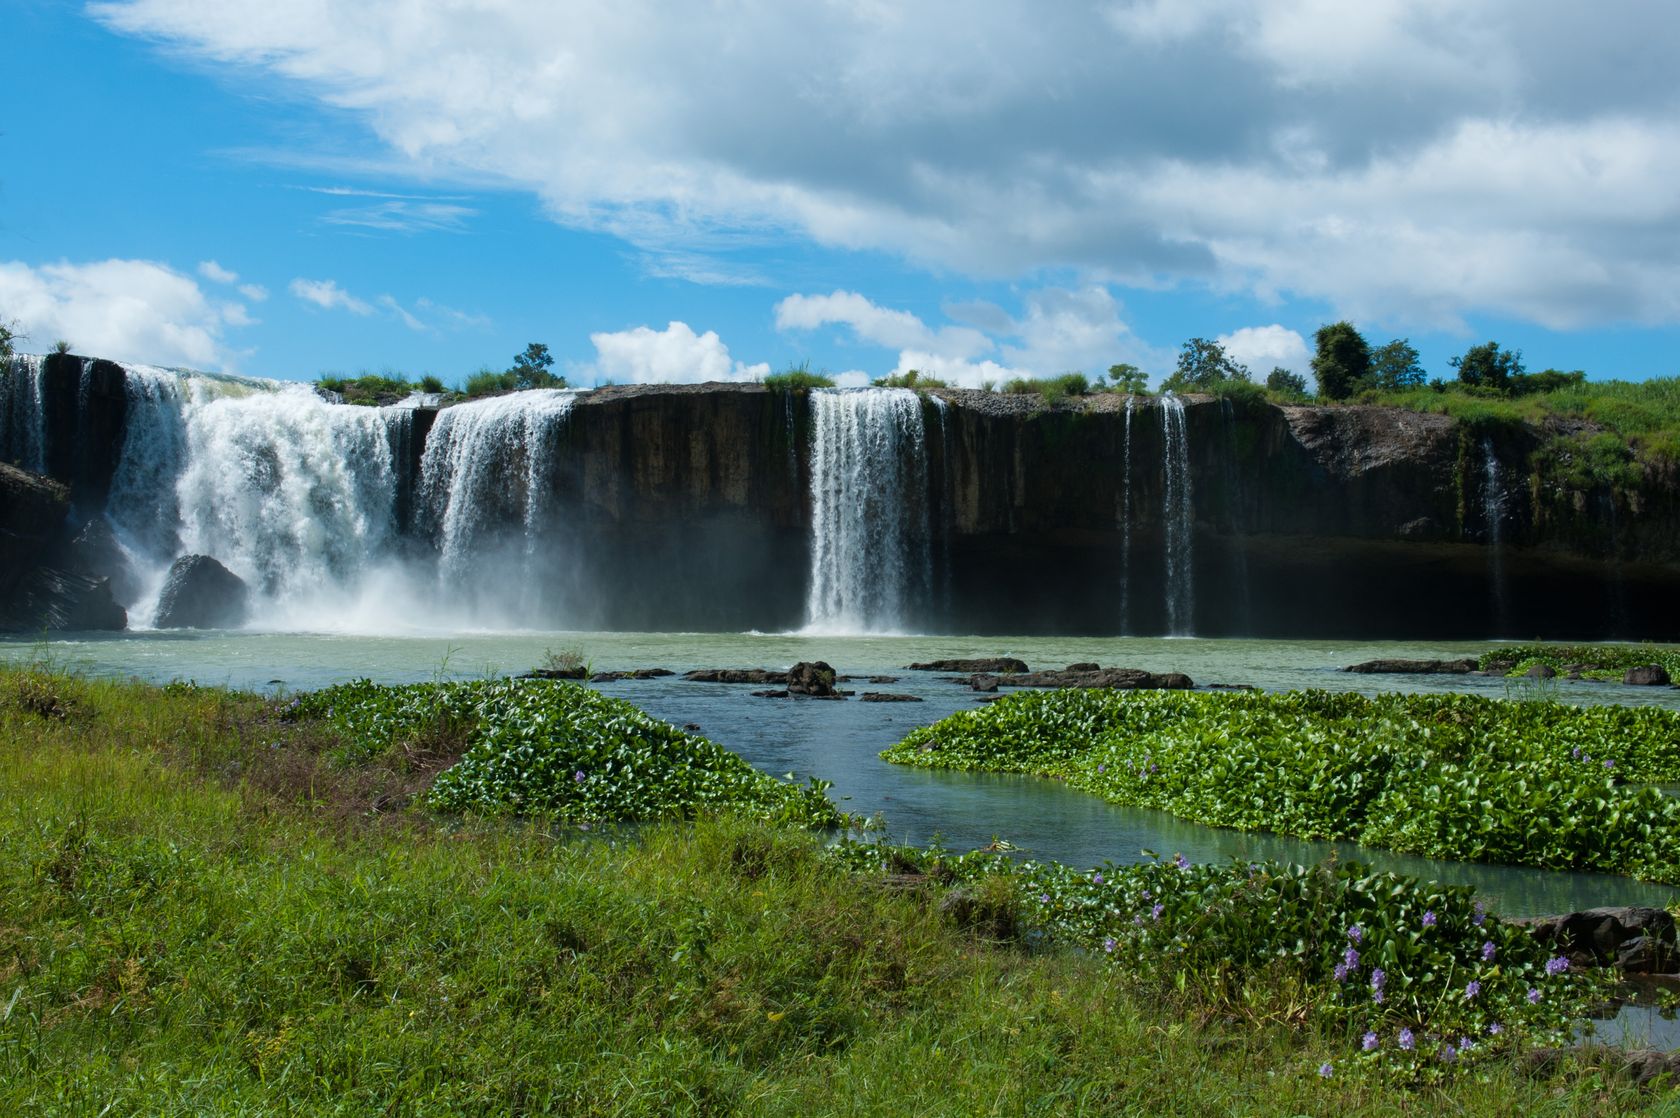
[541, 747]
[1246, 922]
[1444, 776]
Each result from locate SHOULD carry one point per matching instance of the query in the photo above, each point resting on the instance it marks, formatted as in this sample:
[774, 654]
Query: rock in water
[200, 593]
[997, 665]
[1649, 675]
[813, 678]
[1414, 667]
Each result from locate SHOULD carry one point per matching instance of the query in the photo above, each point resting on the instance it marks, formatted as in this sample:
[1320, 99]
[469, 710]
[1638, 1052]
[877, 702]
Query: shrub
[912, 378]
[797, 378]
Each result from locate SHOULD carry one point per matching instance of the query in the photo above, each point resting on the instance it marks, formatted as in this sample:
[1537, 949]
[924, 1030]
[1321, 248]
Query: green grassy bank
[220, 904]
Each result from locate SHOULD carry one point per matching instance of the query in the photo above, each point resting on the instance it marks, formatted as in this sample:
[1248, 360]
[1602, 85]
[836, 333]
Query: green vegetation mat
[212, 903]
[1605, 662]
[539, 747]
[1445, 776]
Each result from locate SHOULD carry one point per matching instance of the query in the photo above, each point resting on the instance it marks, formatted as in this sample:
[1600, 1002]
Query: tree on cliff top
[1203, 366]
[1395, 366]
[1488, 366]
[1129, 378]
[1343, 361]
[530, 369]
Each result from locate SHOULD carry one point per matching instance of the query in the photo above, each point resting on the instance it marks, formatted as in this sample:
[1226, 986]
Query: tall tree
[1343, 360]
[1396, 366]
[1488, 366]
[530, 369]
[1292, 386]
[1128, 378]
[1203, 365]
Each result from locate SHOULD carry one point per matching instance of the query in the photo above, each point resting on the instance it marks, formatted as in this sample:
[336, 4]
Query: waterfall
[1493, 516]
[1176, 517]
[23, 438]
[1126, 525]
[871, 563]
[488, 463]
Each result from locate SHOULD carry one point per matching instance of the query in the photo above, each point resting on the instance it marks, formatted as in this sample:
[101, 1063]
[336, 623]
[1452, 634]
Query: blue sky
[710, 191]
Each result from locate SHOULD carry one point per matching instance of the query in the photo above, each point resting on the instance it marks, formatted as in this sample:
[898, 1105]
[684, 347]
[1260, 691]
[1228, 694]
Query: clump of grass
[565, 663]
[912, 378]
[797, 378]
[1052, 390]
[1603, 662]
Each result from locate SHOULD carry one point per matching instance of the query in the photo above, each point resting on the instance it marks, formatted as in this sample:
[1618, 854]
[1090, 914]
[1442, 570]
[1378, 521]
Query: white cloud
[255, 292]
[673, 355]
[128, 310]
[327, 295]
[1263, 348]
[879, 325]
[1401, 160]
[403, 314]
[215, 273]
[398, 216]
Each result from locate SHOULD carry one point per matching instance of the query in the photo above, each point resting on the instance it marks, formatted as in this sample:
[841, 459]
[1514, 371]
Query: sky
[717, 190]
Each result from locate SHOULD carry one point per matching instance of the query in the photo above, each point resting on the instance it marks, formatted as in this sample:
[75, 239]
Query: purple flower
[1481, 914]
[1576, 753]
[1379, 997]
[1340, 973]
[1533, 996]
[1495, 1029]
[1351, 958]
[1044, 898]
[1325, 1071]
[1489, 951]
[1465, 1044]
[1472, 990]
[1379, 979]
[1155, 912]
[1448, 1054]
[1407, 1040]
[579, 776]
[1102, 768]
[1368, 1042]
[1148, 896]
[1356, 934]
[1096, 879]
[1556, 965]
[1429, 918]
[1181, 861]
[1609, 764]
[1109, 945]
[1154, 768]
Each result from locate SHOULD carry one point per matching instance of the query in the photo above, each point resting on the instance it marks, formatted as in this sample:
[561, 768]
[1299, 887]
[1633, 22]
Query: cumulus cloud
[1404, 160]
[1058, 330]
[1264, 348]
[215, 273]
[255, 292]
[673, 355]
[129, 310]
[327, 295]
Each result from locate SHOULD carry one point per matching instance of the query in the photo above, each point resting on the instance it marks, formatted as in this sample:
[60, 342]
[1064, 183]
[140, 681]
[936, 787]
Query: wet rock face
[200, 593]
[1414, 667]
[1638, 940]
[992, 665]
[814, 678]
[1651, 675]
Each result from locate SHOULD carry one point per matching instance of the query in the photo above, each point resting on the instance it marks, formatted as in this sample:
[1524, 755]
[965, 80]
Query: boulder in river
[1117, 679]
[887, 697]
[814, 678]
[200, 593]
[1647, 675]
[734, 675]
[1639, 940]
[1414, 667]
[995, 665]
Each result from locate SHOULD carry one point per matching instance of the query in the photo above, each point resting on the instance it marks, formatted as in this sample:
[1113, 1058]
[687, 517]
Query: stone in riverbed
[1414, 667]
[200, 593]
[1648, 675]
[1641, 940]
[887, 697]
[995, 665]
[734, 675]
[1116, 679]
[813, 678]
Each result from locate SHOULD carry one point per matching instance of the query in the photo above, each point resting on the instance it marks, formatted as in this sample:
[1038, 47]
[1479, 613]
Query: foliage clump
[1592, 661]
[910, 378]
[797, 378]
[1445, 776]
[539, 747]
[377, 389]
[1419, 976]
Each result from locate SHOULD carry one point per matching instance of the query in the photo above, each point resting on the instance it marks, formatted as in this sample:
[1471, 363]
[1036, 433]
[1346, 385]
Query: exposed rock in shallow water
[633, 673]
[887, 697]
[994, 665]
[1639, 940]
[1414, 667]
[1649, 675]
[1118, 679]
[200, 593]
[734, 675]
[814, 678]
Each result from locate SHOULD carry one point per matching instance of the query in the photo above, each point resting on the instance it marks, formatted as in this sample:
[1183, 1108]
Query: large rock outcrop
[200, 593]
[39, 587]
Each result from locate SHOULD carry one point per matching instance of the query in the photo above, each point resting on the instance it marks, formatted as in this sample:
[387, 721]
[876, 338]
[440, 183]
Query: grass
[201, 913]
[1603, 662]
[374, 389]
[797, 378]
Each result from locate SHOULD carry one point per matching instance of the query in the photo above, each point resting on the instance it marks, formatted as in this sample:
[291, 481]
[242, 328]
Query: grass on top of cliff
[197, 917]
[1644, 413]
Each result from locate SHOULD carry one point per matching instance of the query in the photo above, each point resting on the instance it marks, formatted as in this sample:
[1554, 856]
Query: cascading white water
[1126, 525]
[22, 424]
[488, 463]
[1493, 516]
[1177, 517]
[871, 559]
